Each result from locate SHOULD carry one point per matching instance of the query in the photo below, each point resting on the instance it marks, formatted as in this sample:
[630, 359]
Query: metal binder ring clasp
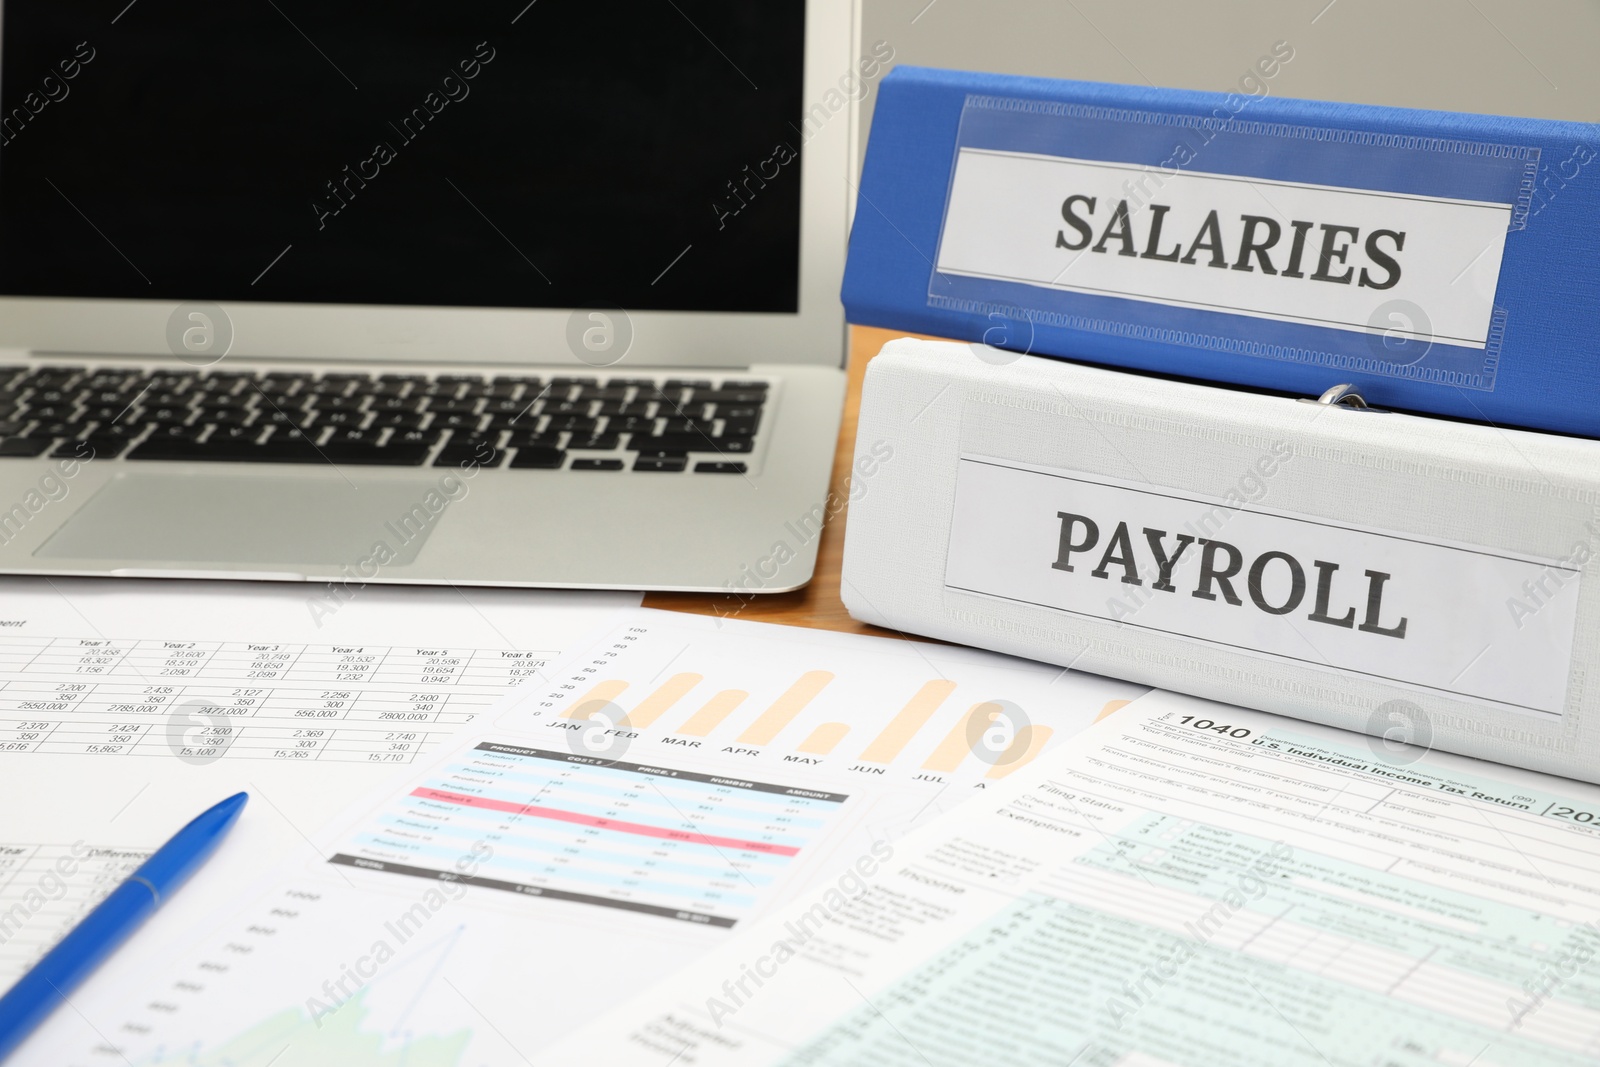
[1343, 394]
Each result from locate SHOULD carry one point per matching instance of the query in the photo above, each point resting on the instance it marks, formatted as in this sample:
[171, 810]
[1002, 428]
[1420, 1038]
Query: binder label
[1268, 584]
[1290, 251]
[1354, 251]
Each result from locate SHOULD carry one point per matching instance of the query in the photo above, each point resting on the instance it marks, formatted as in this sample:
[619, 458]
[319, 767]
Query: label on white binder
[1475, 623]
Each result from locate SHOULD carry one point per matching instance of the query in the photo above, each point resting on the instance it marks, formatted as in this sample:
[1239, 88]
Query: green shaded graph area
[335, 1039]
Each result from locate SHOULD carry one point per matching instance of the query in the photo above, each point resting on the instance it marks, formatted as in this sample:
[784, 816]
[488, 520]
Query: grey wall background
[1539, 58]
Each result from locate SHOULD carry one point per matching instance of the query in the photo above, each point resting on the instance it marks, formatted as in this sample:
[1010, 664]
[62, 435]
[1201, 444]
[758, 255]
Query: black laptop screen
[559, 153]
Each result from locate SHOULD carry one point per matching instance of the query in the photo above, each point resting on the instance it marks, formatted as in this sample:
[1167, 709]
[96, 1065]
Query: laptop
[524, 294]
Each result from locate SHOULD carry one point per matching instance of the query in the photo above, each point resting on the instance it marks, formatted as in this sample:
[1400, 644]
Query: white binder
[1421, 579]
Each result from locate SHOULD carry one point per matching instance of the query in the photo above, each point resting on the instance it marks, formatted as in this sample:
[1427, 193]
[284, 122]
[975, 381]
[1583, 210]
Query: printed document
[664, 788]
[128, 707]
[1186, 883]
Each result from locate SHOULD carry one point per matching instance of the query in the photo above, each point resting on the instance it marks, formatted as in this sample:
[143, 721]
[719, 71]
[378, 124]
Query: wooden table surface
[816, 605]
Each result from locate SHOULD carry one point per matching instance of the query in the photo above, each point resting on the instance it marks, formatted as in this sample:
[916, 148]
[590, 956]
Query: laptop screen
[523, 154]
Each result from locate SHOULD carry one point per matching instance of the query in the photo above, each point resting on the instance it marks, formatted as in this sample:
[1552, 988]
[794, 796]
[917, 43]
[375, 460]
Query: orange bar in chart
[669, 693]
[957, 744]
[710, 716]
[1111, 706]
[907, 721]
[785, 708]
[1027, 744]
[595, 699]
[823, 738]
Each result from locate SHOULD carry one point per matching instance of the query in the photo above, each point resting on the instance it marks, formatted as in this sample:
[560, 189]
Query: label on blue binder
[1370, 252]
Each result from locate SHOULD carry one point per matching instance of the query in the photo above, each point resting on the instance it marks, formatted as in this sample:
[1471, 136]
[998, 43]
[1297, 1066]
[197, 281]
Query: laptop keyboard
[521, 422]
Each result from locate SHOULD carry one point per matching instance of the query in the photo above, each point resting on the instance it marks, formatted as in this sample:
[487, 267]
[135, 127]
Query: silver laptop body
[584, 284]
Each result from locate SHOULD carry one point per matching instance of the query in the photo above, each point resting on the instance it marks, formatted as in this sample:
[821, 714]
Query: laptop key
[534, 457]
[484, 455]
[403, 436]
[97, 447]
[59, 429]
[581, 424]
[729, 396]
[276, 450]
[24, 446]
[631, 410]
[603, 393]
[660, 463]
[594, 442]
[688, 442]
[51, 411]
[596, 465]
[471, 437]
[223, 417]
[629, 424]
[406, 420]
[452, 407]
[372, 455]
[340, 418]
[530, 439]
[222, 400]
[174, 431]
[680, 425]
[456, 422]
[340, 403]
[396, 403]
[179, 449]
[722, 467]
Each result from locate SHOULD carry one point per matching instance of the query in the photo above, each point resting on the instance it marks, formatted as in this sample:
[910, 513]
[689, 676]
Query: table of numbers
[676, 843]
[46, 889]
[202, 701]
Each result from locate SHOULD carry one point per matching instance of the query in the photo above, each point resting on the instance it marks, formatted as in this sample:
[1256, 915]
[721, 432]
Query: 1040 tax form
[1184, 883]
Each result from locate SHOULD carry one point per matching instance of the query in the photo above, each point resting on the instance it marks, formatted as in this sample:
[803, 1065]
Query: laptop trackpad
[225, 518]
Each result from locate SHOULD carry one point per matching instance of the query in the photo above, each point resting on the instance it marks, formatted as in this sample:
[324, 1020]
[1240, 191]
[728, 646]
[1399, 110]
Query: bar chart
[1020, 742]
[893, 709]
[745, 761]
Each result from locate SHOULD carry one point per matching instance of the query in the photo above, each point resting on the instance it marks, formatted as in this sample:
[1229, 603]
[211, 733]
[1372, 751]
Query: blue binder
[1443, 263]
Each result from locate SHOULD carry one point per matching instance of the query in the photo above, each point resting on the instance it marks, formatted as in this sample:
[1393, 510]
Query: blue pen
[52, 979]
